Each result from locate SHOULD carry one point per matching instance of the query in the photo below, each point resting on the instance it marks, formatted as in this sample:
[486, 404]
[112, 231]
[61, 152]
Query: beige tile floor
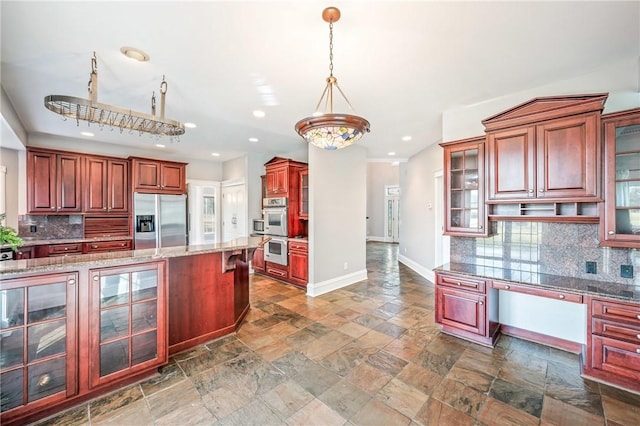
[368, 354]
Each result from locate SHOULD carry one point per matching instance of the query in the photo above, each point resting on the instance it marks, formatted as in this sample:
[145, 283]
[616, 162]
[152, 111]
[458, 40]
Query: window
[209, 214]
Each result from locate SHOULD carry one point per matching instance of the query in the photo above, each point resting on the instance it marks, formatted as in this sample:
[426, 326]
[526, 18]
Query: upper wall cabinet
[464, 188]
[158, 177]
[106, 186]
[547, 149]
[620, 221]
[53, 182]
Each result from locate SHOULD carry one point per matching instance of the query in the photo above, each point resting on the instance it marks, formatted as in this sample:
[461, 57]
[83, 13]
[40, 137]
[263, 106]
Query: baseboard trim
[543, 339]
[316, 289]
[417, 268]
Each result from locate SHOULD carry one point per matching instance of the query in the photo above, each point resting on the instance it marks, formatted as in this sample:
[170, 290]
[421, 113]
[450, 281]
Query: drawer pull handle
[561, 296]
[638, 351]
[459, 283]
[638, 316]
[611, 232]
[94, 246]
[638, 336]
[66, 248]
[507, 287]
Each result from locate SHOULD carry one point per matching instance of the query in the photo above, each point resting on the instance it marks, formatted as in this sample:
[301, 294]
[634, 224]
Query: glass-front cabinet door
[128, 321]
[304, 194]
[464, 187]
[38, 347]
[621, 227]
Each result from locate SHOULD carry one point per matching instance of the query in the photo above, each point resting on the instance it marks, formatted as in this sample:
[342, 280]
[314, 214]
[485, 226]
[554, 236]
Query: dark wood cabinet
[102, 246]
[277, 178]
[620, 218]
[298, 262]
[25, 253]
[106, 185]
[304, 194]
[127, 321]
[528, 147]
[158, 177]
[275, 270]
[613, 343]
[464, 203]
[53, 182]
[467, 308]
[39, 362]
[283, 179]
[258, 260]
[63, 249]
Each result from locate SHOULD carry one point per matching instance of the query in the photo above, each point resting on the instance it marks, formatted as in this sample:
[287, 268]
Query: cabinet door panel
[567, 154]
[69, 183]
[511, 164]
[147, 175]
[461, 310]
[172, 177]
[41, 187]
[95, 185]
[118, 186]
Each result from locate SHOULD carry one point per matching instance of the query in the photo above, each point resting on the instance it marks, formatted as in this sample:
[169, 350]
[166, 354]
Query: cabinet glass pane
[471, 198]
[46, 339]
[114, 357]
[457, 160]
[471, 159]
[456, 199]
[627, 221]
[46, 378]
[11, 389]
[471, 218]
[456, 218]
[144, 284]
[46, 302]
[628, 194]
[144, 347]
[457, 179]
[11, 308]
[114, 290]
[11, 348]
[114, 323]
[628, 138]
[144, 316]
[628, 165]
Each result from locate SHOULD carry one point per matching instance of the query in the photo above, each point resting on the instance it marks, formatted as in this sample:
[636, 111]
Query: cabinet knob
[104, 208]
[480, 227]
[66, 248]
[94, 246]
[611, 232]
[506, 287]
[530, 191]
[638, 351]
[541, 190]
[638, 316]
[96, 278]
[480, 303]
[561, 296]
[459, 283]
[638, 336]
[71, 281]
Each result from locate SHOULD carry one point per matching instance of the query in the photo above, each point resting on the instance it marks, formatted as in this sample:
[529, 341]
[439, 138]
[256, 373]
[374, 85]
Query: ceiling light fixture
[406, 138]
[87, 134]
[330, 130]
[92, 111]
[253, 139]
[259, 114]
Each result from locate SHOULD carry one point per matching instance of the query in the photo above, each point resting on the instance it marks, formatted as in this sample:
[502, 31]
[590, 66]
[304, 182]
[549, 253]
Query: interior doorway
[234, 211]
[204, 211]
[392, 213]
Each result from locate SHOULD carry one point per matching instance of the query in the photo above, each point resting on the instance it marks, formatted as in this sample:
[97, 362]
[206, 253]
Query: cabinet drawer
[616, 311]
[468, 284]
[617, 357]
[616, 330]
[62, 249]
[542, 292]
[107, 246]
[276, 270]
[298, 246]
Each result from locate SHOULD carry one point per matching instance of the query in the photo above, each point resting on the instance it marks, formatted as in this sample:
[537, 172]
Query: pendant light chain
[331, 49]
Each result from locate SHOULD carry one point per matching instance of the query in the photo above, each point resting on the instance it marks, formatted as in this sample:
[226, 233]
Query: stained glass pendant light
[327, 129]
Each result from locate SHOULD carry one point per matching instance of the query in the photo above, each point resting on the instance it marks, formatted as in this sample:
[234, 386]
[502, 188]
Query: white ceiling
[401, 63]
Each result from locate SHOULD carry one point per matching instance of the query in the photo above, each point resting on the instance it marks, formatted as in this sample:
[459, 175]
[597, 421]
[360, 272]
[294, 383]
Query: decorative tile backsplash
[549, 248]
[50, 227]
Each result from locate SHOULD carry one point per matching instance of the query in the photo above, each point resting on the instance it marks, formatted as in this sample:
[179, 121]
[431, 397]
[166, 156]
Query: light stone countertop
[69, 262]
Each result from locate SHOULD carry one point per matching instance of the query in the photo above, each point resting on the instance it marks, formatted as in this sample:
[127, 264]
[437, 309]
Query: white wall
[379, 175]
[337, 218]
[11, 160]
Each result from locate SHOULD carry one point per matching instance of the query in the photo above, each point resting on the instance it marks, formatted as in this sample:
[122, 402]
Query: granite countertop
[628, 292]
[66, 263]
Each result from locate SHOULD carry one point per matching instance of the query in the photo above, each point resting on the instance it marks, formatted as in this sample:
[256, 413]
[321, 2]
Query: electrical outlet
[591, 267]
[626, 271]
[33, 228]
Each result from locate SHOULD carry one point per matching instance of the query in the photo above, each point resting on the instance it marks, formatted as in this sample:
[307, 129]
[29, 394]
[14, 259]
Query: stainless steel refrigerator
[159, 220]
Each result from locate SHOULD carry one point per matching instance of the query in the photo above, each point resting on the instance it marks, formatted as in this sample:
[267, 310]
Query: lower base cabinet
[465, 309]
[68, 337]
[613, 343]
[298, 262]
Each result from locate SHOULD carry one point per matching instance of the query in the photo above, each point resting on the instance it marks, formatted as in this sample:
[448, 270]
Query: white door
[234, 211]
[392, 214]
[204, 212]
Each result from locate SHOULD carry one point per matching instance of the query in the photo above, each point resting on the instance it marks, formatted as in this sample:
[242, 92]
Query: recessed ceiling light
[391, 153]
[215, 154]
[253, 139]
[159, 145]
[87, 134]
[406, 138]
[395, 163]
[259, 114]
[134, 53]
[190, 125]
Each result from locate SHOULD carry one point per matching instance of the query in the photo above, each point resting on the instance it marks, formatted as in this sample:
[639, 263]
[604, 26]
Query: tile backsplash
[50, 227]
[548, 248]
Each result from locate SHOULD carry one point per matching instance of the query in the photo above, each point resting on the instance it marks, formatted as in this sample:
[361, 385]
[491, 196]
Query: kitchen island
[74, 327]
[598, 320]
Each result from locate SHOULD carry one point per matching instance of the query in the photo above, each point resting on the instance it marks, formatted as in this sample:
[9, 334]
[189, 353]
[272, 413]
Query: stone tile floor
[368, 354]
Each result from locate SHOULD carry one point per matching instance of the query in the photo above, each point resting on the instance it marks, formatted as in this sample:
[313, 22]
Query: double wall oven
[274, 215]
